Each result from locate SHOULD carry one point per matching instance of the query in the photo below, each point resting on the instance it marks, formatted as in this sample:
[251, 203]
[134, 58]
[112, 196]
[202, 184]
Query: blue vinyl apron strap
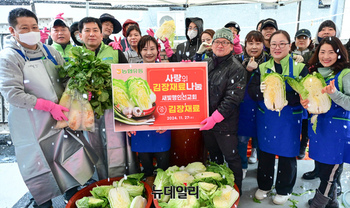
[49, 56]
[336, 81]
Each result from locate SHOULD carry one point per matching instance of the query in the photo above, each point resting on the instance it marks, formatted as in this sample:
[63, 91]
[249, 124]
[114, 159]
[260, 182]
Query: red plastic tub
[86, 191]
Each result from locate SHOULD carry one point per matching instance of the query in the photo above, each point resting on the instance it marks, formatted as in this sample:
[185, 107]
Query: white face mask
[78, 39]
[192, 34]
[31, 38]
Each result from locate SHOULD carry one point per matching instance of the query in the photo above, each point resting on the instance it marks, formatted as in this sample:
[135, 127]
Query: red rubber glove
[53, 108]
[150, 32]
[169, 52]
[44, 35]
[210, 122]
[116, 45]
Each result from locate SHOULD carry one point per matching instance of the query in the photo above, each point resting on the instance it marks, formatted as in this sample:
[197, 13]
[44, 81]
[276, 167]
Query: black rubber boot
[304, 139]
[47, 204]
[68, 194]
[319, 200]
[312, 174]
[333, 202]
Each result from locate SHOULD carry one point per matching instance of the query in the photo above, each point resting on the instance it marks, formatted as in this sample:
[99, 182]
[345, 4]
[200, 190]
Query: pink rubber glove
[169, 52]
[150, 32]
[210, 122]
[159, 48]
[126, 45]
[59, 16]
[89, 96]
[44, 35]
[53, 108]
[116, 45]
[236, 45]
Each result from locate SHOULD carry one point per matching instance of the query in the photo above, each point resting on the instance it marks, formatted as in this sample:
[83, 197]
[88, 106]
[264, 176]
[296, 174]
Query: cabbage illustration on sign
[134, 101]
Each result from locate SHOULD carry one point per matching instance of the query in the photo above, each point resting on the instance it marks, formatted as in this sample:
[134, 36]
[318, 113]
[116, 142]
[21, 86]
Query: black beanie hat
[327, 23]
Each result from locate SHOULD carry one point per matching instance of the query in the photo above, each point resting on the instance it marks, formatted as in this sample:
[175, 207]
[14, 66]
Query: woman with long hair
[330, 147]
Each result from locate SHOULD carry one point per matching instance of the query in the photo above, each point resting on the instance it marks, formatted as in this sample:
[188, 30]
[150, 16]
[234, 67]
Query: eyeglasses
[223, 43]
[281, 45]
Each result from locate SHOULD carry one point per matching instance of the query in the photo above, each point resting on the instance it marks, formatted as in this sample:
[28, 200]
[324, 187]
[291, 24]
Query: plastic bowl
[86, 191]
[235, 205]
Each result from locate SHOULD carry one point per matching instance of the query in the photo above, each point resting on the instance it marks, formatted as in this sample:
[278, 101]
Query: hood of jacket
[199, 22]
[128, 21]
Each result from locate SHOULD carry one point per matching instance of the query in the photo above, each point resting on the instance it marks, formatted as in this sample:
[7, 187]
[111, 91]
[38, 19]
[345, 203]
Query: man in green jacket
[60, 34]
[112, 148]
[90, 29]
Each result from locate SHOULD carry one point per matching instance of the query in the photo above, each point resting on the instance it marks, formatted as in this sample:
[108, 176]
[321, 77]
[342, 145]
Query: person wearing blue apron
[252, 57]
[150, 144]
[330, 145]
[51, 161]
[278, 132]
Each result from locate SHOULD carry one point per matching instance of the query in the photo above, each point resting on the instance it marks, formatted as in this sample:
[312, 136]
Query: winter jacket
[226, 83]
[12, 89]
[64, 52]
[188, 49]
[108, 55]
[132, 56]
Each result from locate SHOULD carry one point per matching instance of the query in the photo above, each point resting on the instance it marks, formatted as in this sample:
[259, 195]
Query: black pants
[329, 175]
[146, 159]
[286, 173]
[223, 146]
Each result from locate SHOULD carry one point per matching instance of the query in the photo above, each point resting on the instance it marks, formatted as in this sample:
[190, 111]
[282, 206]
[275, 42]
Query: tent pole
[87, 8]
[298, 16]
[32, 5]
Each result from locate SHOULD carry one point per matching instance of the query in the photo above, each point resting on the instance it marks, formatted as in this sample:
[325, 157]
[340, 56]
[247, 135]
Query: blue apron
[247, 115]
[280, 135]
[331, 143]
[151, 141]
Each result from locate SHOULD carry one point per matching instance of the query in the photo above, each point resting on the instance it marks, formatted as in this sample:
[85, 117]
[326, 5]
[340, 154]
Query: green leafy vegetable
[132, 184]
[162, 180]
[89, 74]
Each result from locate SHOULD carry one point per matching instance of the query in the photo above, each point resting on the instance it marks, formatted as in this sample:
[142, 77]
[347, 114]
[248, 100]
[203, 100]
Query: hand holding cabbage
[312, 90]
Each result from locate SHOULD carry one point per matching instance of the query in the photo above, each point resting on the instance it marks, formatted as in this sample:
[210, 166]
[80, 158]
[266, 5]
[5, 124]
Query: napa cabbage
[275, 92]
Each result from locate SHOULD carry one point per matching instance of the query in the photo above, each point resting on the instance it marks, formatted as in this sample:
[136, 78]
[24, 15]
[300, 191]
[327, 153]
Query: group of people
[55, 161]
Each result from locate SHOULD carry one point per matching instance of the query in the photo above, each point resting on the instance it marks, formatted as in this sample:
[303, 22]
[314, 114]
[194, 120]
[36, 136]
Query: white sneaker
[260, 194]
[244, 173]
[281, 199]
[253, 157]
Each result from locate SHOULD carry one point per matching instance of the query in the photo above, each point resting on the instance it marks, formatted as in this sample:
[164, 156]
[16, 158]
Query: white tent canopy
[185, 3]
